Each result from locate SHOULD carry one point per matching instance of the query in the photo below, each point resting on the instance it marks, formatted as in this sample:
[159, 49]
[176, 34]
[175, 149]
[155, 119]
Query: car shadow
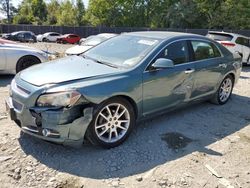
[246, 68]
[5, 80]
[193, 129]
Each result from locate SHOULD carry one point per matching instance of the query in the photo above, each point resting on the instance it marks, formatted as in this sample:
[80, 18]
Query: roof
[107, 35]
[161, 34]
[16, 32]
[50, 33]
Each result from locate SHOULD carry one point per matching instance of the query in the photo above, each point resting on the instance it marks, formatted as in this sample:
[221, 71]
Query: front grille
[23, 90]
[19, 90]
[17, 105]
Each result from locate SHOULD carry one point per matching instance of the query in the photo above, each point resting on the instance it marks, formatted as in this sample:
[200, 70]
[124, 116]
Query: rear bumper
[52, 125]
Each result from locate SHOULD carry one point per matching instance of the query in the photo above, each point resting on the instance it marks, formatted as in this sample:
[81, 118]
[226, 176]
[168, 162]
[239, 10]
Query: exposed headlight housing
[60, 99]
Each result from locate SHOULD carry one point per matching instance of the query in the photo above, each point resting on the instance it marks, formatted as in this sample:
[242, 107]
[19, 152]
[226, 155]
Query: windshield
[94, 40]
[122, 51]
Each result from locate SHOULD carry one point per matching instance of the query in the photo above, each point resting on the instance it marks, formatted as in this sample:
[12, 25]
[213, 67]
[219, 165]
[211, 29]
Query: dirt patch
[244, 137]
[176, 140]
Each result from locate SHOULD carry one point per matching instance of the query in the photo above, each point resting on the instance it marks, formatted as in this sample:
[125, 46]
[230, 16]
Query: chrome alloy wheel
[112, 122]
[225, 89]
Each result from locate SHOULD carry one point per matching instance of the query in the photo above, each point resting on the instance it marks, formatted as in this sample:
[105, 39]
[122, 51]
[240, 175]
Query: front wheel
[26, 62]
[224, 92]
[112, 123]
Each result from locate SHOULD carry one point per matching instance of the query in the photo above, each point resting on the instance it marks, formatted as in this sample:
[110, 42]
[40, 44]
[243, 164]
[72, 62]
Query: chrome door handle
[222, 65]
[189, 71]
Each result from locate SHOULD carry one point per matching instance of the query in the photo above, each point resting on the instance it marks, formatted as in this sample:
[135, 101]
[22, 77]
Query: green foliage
[31, 12]
[223, 14]
[53, 9]
[67, 16]
[80, 11]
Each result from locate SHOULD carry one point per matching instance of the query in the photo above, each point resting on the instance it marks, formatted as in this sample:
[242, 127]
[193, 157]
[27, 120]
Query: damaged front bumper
[64, 126]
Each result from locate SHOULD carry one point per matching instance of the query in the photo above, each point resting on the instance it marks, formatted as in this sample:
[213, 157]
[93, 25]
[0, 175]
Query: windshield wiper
[100, 62]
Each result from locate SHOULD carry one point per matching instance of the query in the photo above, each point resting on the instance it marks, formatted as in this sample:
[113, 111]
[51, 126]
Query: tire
[107, 129]
[26, 62]
[44, 40]
[224, 92]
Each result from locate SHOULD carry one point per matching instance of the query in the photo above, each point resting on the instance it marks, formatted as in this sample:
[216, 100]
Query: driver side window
[177, 52]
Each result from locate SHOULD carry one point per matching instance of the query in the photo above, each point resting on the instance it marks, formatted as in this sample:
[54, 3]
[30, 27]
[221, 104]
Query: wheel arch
[130, 100]
[231, 74]
[26, 56]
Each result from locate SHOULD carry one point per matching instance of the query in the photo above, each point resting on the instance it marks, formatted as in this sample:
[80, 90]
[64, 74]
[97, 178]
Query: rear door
[53, 37]
[27, 37]
[165, 88]
[209, 67]
[245, 48]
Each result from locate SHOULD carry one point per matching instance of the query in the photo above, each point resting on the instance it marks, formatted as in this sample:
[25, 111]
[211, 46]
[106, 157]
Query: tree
[8, 9]
[223, 14]
[67, 16]
[39, 10]
[212, 11]
[184, 14]
[31, 12]
[101, 12]
[25, 15]
[53, 9]
[80, 11]
[235, 14]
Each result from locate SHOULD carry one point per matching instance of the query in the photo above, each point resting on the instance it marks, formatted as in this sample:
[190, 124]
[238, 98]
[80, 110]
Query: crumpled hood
[76, 50]
[66, 69]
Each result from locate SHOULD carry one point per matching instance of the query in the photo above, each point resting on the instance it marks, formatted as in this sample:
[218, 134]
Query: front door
[165, 88]
[2, 57]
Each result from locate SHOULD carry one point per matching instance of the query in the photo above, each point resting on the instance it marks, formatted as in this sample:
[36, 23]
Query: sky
[17, 2]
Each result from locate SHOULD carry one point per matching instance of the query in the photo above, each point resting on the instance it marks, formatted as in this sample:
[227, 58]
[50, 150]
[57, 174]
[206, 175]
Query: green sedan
[102, 94]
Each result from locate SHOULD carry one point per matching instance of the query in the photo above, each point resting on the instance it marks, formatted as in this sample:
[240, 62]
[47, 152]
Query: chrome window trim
[186, 39]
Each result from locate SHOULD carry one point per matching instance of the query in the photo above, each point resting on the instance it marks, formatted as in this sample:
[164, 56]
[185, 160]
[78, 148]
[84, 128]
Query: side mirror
[162, 63]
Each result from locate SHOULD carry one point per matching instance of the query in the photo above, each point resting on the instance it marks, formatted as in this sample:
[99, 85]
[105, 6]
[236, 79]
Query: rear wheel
[224, 92]
[112, 123]
[26, 62]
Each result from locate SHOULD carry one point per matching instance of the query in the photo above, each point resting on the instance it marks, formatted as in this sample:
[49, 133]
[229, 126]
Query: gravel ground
[203, 145]
[51, 47]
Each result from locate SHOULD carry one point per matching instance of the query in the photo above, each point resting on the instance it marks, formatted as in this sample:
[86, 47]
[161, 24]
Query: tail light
[228, 44]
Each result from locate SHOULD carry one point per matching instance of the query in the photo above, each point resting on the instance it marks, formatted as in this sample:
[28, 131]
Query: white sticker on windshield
[147, 42]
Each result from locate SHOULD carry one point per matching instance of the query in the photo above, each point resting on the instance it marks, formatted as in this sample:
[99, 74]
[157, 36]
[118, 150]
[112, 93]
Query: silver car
[15, 57]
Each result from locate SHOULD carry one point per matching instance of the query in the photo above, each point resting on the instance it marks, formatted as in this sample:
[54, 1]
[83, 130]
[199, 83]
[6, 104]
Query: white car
[234, 42]
[48, 37]
[14, 57]
[90, 42]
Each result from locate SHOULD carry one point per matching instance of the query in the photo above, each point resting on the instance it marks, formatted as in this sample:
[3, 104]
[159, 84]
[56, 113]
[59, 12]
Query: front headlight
[60, 99]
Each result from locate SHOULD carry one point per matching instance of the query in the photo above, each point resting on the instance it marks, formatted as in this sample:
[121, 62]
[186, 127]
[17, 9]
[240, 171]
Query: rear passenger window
[177, 52]
[204, 50]
[242, 41]
[54, 34]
